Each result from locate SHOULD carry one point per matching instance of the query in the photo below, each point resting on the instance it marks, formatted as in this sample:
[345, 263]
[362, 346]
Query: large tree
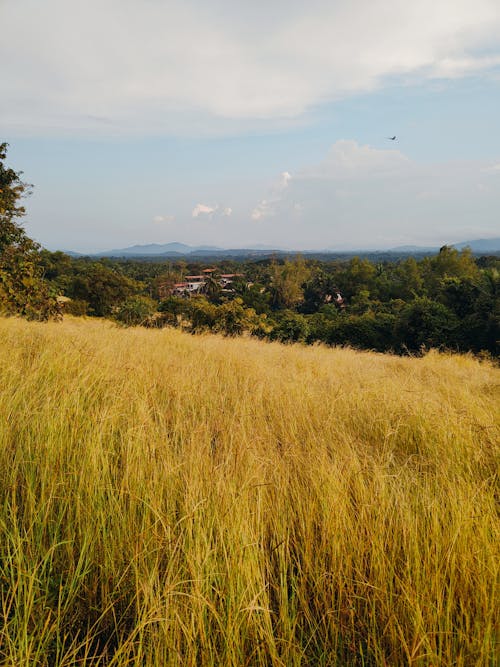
[22, 288]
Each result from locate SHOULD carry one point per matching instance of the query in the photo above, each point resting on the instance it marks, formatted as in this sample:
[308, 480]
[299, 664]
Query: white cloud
[267, 207]
[284, 180]
[125, 66]
[160, 219]
[492, 169]
[262, 210]
[359, 196]
[204, 209]
[347, 159]
[211, 212]
[454, 68]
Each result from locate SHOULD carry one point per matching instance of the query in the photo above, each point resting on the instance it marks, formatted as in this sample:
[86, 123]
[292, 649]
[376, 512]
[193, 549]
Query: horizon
[239, 126]
[262, 248]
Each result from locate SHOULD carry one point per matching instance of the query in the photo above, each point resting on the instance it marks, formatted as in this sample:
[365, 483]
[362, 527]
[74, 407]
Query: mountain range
[478, 246]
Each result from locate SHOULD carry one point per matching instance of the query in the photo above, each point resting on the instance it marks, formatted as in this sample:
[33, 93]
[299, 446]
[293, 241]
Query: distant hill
[72, 253]
[480, 245]
[157, 249]
[177, 250]
[476, 245]
[183, 250]
[414, 249]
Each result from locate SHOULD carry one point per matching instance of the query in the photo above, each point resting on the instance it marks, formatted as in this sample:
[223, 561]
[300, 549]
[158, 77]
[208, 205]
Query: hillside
[169, 499]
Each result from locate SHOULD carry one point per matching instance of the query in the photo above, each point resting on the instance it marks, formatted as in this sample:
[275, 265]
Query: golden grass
[176, 500]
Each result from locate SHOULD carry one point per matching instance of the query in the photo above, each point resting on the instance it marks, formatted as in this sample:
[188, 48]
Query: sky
[239, 124]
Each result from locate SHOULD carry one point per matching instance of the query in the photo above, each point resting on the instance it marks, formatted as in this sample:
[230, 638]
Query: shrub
[135, 310]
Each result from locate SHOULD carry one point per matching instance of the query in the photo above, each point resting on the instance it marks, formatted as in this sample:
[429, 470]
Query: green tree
[287, 281]
[212, 288]
[104, 288]
[172, 309]
[426, 323]
[359, 275]
[233, 319]
[290, 327]
[408, 282]
[372, 331]
[448, 263]
[23, 290]
[255, 296]
[202, 314]
[319, 290]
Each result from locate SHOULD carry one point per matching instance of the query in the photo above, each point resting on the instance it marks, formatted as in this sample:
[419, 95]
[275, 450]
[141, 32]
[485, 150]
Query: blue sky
[236, 124]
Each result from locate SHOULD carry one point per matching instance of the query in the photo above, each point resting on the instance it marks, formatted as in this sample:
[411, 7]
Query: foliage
[425, 323]
[202, 314]
[382, 306]
[23, 290]
[368, 331]
[104, 288]
[135, 310]
[198, 314]
[289, 327]
[233, 318]
[256, 296]
[286, 282]
[76, 307]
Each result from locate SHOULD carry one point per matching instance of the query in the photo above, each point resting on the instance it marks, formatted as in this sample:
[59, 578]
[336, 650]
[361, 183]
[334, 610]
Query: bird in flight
[392, 138]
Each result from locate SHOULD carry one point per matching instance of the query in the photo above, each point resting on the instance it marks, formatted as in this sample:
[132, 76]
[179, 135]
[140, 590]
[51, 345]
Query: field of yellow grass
[168, 499]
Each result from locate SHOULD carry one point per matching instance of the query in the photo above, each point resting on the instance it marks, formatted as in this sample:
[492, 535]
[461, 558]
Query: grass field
[167, 499]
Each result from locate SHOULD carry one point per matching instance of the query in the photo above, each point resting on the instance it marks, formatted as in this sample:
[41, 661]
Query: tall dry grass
[177, 500]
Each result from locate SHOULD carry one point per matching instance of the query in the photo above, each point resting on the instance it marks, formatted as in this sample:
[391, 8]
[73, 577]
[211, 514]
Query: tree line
[450, 300]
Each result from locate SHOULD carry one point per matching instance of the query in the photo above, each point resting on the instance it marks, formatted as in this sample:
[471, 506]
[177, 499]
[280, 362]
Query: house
[193, 285]
[227, 278]
[190, 285]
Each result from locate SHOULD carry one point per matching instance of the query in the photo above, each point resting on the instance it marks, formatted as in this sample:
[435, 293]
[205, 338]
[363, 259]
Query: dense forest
[450, 300]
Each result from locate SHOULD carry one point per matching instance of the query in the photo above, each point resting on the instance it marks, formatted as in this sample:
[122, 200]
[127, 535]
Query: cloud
[492, 169]
[211, 211]
[359, 196]
[347, 159]
[160, 219]
[454, 68]
[203, 209]
[267, 207]
[262, 210]
[284, 180]
[126, 66]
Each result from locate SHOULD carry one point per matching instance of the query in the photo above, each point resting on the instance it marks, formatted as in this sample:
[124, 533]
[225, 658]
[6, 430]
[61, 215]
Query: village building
[227, 278]
[196, 284]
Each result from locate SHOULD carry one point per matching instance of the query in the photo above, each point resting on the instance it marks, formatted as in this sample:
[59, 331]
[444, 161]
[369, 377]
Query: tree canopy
[23, 290]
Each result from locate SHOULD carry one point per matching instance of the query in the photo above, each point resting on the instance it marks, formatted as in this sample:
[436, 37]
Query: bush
[369, 331]
[76, 307]
[290, 327]
[135, 310]
[425, 323]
